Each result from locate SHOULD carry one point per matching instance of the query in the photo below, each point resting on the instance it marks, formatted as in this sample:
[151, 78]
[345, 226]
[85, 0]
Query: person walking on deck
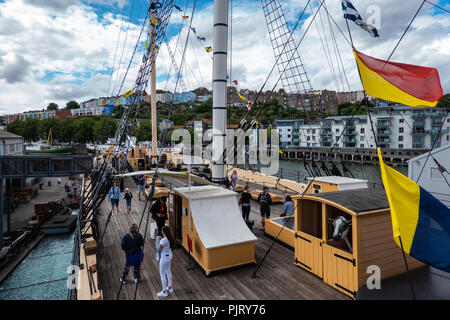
[164, 246]
[245, 202]
[141, 186]
[288, 207]
[159, 212]
[264, 200]
[114, 197]
[132, 244]
[234, 179]
[128, 196]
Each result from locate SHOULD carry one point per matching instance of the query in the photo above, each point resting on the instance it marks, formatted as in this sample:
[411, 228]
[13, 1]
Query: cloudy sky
[61, 50]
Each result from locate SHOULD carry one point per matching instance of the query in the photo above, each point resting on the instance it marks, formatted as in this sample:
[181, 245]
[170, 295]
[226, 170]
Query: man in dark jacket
[264, 200]
[159, 212]
[132, 244]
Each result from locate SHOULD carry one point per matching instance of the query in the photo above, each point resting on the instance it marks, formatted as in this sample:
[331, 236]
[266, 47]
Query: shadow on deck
[278, 278]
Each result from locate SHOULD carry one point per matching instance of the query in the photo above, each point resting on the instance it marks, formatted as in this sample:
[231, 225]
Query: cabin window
[310, 218]
[334, 213]
[317, 188]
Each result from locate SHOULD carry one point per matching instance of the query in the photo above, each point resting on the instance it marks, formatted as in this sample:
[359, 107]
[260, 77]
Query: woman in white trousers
[164, 246]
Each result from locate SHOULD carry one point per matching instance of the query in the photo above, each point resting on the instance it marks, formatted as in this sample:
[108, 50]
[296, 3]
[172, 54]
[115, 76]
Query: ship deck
[277, 279]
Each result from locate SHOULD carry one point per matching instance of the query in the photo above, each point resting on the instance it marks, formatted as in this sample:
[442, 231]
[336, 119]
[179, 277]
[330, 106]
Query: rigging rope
[115, 52]
[123, 48]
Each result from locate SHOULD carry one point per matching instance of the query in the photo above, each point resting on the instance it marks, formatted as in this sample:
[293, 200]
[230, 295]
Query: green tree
[84, 129]
[52, 106]
[72, 105]
[31, 129]
[15, 127]
[66, 132]
[444, 102]
[46, 125]
[104, 129]
[144, 130]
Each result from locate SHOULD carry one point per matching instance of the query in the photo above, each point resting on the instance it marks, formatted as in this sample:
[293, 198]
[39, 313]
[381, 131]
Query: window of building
[400, 130]
[400, 138]
[313, 131]
[307, 131]
[289, 135]
[308, 138]
[400, 146]
[401, 120]
[361, 145]
[362, 130]
[337, 130]
[361, 138]
[308, 144]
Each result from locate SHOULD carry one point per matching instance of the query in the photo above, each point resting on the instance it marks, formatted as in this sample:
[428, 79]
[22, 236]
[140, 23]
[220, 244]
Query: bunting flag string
[194, 30]
[241, 96]
[128, 93]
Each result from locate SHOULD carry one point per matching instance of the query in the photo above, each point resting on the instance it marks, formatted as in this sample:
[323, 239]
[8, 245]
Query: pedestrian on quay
[244, 201]
[114, 197]
[288, 207]
[234, 179]
[264, 200]
[128, 196]
[141, 186]
[159, 212]
[164, 246]
[132, 244]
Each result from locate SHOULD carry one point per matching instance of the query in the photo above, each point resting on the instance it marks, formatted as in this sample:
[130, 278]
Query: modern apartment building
[395, 127]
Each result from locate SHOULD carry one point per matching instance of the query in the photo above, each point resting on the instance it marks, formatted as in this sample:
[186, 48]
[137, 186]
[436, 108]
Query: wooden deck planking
[278, 278]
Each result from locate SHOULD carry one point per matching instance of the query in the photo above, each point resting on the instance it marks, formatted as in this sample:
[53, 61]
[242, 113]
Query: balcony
[385, 132]
[350, 124]
[437, 131]
[418, 114]
[419, 131]
[436, 114]
[325, 132]
[325, 139]
[382, 123]
[435, 122]
[349, 132]
[418, 146]
[348, 140]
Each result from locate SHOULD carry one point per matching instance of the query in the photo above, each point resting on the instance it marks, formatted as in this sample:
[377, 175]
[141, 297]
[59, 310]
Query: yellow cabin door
[340, 270]
[308, 253]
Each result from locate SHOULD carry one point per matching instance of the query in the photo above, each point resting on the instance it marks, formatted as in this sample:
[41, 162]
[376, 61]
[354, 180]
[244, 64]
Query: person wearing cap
[128, 196]
[264, 200]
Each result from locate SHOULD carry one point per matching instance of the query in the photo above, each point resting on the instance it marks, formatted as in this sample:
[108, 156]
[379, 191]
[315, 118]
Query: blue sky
[61, 50]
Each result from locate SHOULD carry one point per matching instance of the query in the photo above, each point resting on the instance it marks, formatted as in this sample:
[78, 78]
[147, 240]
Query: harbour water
[42, 275]
[295, 170]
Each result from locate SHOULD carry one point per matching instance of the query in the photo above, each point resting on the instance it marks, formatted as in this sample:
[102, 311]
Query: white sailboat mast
[153, 92]
[219, 86]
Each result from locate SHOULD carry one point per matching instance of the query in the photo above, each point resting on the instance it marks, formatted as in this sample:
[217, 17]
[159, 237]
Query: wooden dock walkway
[278, 277]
